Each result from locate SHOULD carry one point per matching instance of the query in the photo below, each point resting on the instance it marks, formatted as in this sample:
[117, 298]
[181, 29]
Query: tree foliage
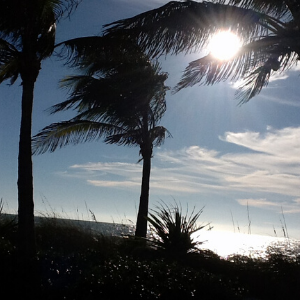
[28, 28]
[269, 31]
[27, 37]
[119, 96]
[116, 88]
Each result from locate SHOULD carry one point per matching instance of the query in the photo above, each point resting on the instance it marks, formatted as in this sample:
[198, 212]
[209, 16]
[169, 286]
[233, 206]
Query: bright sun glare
[224, 45]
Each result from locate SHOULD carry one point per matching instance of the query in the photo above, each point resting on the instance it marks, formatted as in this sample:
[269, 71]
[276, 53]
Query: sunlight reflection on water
[227, 243]
[223, 243]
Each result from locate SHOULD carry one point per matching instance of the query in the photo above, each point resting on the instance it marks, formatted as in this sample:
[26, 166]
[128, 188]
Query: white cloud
[115, 167]
[281, 143]
[114, 184]
[268, 164]
[280, 100]
[286, 207]
[275, 76]
[257, 203]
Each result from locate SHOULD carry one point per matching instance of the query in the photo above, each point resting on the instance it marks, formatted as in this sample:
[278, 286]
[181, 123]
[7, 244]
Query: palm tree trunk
[141, 224]
[26, 239]
[27, 260]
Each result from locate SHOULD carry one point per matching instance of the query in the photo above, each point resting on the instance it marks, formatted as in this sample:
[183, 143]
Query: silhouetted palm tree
[120, 97]
[269, 30]
[27, 36]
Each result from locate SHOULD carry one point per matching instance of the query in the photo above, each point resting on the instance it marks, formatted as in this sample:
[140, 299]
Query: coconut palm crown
[269, 31]
[118, 96]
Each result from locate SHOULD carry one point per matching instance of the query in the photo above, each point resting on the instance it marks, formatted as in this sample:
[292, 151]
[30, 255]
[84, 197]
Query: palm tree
[27, 36]
[269, 30]
[120, 97]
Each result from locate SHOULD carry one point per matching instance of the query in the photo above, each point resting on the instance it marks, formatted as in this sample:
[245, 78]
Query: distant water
[111, 229]
[222, 243]
[228, 243]
[114, 229]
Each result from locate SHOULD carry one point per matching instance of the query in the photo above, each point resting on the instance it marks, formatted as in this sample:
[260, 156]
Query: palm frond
[128, 94]
[267, 29]
[77, 48]
[87, 91]
[123, 90]
[254, 62]
[129, 137]
[277, 8]
[73, 132]
[186, 26]
[258, 78]
[158, 134]
[127, 120]
[100, 52]
[254, 83]
[15, 16]
[64, 7]
[9, 62]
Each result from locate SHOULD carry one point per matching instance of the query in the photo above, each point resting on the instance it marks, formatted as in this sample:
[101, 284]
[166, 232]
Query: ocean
[223, 243]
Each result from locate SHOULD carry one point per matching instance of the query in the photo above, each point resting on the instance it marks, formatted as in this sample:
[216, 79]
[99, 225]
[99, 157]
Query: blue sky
[222, 156]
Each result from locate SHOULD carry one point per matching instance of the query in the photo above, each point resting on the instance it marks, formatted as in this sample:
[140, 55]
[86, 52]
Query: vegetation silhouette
[120, 96]
[27, 37]
[269, 31]
[76, 262]
[171, 230]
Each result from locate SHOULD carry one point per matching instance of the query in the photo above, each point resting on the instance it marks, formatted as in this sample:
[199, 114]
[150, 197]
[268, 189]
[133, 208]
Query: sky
[241, 163]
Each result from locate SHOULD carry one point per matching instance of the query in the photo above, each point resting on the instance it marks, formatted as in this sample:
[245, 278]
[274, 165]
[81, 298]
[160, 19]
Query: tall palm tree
[120, 97]
[27, 36]
[269, 30]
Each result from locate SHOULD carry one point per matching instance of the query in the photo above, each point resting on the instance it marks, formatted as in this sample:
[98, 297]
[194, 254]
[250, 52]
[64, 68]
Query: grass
[77, 263]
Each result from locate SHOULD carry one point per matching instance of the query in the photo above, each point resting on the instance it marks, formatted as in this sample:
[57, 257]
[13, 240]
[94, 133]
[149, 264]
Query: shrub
[171, 231]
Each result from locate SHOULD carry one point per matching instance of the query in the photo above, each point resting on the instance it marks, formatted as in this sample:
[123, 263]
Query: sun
[224, 45]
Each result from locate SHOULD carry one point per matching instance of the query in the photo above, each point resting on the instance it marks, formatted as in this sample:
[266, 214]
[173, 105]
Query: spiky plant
[171, 231]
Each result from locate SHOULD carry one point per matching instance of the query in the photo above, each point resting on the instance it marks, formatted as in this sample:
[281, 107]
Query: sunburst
[224, 45]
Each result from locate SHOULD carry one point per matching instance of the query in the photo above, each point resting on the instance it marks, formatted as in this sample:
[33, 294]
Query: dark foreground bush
[126, 277]
[75, 263]
[171, 230]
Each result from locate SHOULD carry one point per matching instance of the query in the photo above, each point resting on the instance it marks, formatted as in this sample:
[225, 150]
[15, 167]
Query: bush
[171, 231]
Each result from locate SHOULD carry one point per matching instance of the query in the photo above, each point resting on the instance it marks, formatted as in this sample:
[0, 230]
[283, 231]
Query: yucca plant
[171, 230]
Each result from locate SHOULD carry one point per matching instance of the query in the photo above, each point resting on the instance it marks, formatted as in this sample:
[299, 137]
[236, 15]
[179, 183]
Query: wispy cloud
[279, 76]
[267, 163]
[257, 203]
[281, 100]
[287, 207]
[271, 163]
[113, 184]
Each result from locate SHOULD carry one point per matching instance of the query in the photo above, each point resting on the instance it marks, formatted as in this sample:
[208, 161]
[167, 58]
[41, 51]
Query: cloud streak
[286, 207]
[263, 164]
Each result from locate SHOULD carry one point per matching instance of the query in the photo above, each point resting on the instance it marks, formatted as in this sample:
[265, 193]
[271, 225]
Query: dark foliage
[75, 263]
[171, 230]
[269, 31]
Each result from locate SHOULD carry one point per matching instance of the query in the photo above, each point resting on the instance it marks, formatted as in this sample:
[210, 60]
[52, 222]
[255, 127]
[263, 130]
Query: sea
[226, 244]
[223, 243]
